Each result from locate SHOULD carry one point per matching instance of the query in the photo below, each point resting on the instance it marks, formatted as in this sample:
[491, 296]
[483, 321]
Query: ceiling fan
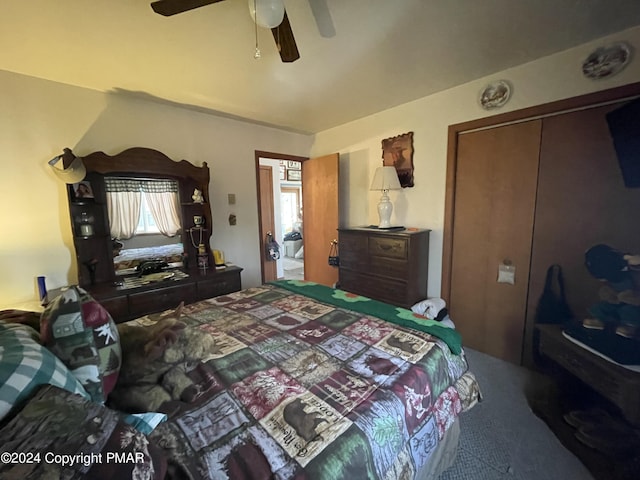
[282, 33]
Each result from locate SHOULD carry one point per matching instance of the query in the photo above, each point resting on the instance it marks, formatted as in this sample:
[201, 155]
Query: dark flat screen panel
[624, 125]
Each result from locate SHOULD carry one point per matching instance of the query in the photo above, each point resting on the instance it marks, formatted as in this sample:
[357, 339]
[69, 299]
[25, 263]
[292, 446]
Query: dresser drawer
[118, 307]
[385, 290]
[161, 299]
[387, 267]
[353, 242]
[388, 247]
[374, 254]
[218, 286]
[353, 251]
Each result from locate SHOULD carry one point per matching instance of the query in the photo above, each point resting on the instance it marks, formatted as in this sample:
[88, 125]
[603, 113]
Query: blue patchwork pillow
[25, 365]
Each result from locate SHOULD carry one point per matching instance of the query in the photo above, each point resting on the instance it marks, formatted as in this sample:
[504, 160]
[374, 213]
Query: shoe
[627, 331]
[593, 323]
[612, 440]
[590, 417]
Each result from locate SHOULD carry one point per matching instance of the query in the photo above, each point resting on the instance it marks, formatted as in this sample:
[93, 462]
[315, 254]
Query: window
[290, 209]
[146, 222]
[144, 206]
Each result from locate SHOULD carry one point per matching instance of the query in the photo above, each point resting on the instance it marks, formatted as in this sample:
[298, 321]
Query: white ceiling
[357, 56]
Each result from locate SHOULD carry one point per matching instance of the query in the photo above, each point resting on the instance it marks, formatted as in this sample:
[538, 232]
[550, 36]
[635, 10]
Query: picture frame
[82, 191]
[294, 175]
[294, 165]
[283, 172]
[398, 152]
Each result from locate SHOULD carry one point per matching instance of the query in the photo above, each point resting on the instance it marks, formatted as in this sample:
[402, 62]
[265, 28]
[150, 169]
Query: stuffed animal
[619, 305]
[154, 360]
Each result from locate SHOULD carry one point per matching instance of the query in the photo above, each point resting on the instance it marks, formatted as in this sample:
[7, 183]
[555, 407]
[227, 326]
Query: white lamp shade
[267, 13]
[385, 178]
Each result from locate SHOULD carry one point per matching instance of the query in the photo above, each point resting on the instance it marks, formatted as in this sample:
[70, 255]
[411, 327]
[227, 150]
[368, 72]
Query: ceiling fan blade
[172, 7]
[285, 41]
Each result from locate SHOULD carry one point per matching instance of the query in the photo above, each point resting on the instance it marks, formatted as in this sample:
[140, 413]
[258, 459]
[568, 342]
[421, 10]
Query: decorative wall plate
[606, 61]
[495, 95]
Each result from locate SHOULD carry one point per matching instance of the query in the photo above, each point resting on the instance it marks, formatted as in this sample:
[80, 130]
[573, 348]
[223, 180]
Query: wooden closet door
[495, 195]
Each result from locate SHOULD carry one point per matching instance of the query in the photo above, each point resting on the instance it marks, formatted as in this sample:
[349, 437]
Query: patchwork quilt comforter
[296, 380]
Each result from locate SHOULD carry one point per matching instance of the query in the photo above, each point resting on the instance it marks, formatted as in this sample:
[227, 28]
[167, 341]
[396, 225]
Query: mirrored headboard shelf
[88, 208]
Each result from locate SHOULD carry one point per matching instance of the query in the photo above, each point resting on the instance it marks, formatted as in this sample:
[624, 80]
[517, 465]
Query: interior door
[320, 217]
[494, 204]
[267, 221]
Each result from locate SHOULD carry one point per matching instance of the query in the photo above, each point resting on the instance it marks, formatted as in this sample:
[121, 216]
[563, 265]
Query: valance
[120, 184]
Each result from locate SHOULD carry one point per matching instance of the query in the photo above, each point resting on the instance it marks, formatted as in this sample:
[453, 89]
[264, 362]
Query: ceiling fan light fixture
[266, 13]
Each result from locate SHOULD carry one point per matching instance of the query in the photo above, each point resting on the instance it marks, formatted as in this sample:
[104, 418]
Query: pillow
[62, 435]
[24, 317]
[144, 422]
[25, 364]
[81, 333]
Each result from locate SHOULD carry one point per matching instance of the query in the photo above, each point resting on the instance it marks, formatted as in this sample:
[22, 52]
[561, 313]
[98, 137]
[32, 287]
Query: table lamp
[385, 179]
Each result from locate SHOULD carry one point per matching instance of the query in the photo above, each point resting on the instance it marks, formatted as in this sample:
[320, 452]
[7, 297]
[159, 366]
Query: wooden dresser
[128, 303]
[390, 266]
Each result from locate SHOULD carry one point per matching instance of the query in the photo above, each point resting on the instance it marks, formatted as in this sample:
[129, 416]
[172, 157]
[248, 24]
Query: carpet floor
[293, 268]
[502, 438]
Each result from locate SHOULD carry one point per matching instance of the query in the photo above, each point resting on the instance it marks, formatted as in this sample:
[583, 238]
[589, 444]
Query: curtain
[124, 212]
[124, 196]
[164, 208]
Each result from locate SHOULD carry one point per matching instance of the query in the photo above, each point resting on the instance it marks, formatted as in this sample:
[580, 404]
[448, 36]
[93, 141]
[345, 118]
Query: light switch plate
[232, 198]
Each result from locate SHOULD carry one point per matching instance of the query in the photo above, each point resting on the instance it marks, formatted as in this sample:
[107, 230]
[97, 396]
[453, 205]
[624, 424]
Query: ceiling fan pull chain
[257, 54]
[278, 42]
[269, 14]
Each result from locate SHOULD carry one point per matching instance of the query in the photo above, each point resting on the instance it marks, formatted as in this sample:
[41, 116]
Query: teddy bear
[619, 305]
[161, 364]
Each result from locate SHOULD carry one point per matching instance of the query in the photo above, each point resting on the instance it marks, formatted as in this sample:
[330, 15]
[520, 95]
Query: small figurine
[197, 196]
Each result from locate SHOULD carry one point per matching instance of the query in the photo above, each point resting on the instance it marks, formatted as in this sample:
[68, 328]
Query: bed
[128, 259]
[292, 380]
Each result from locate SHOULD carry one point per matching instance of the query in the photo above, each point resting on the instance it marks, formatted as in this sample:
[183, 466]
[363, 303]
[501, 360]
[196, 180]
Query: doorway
[280, 212]
[319, 222]
[291, 226]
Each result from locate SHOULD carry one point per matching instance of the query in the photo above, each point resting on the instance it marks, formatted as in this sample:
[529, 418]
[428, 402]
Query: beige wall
[359, 143]
[38, 118]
